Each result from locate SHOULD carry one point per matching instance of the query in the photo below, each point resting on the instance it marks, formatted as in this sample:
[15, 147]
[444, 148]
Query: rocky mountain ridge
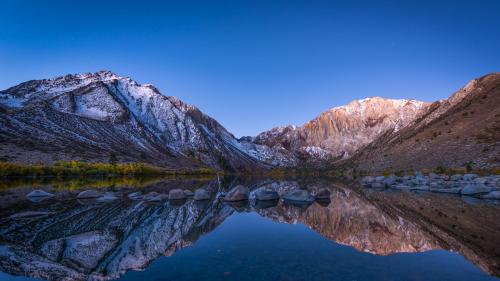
[99, 116]
[462, 131]
[95, 115]
[340, 131]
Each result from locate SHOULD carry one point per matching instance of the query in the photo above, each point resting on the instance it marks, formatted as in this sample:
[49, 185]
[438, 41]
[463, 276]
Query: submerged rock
[176, 194]
[298, 195]
[39, 193]
[91, 193]
[201, 194]
[264, 194]
[238, 193]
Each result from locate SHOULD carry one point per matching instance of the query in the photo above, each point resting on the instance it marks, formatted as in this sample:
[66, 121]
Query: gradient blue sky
[254, 65]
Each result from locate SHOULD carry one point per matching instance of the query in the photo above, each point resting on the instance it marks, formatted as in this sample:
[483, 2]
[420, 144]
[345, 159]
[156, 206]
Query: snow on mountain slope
[340, 131]
[458, 132]
[92, 116]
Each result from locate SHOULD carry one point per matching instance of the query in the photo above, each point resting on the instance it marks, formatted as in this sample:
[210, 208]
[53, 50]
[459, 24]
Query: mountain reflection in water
[63, 238]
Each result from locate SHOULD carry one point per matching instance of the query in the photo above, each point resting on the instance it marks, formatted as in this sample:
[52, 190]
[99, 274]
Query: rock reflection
[65, 238]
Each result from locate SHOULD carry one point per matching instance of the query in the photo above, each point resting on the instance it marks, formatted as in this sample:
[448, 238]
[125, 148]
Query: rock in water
[298, 195]
[89, 194]
[469, 177]
[135, 195]
[201, 194]
[108, 196]
[150, 195]
[492, 195]
[176, 194]
[238, 193]
[263, 194]
[159, 197]
[39, 193]
[473, 189]
[188, 193]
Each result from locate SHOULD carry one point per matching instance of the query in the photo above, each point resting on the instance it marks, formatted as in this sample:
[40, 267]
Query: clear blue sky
[254, 65]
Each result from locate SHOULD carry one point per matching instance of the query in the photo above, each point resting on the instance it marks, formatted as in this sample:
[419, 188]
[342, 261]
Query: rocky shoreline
[235, 194]
[484, 187]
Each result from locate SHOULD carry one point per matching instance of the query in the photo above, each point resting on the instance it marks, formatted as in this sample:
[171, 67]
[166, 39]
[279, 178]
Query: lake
[359, 234]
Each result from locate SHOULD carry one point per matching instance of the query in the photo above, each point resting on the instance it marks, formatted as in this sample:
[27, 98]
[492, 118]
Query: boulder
[39, 193]
[298, 195]
[150, 195]
[108, 196]
[473, 189]
[135, 195]
[238, 193]
[391, 180]
[264, 194]
[322, 194]
[492, 195]
[456, 177]
[188, 193]
[436, 184]
[201, 194]
[380, 179]
[482, 180]
[176, 194]
[368, 180]
[469, 177]
[91, 193]
[159, 197]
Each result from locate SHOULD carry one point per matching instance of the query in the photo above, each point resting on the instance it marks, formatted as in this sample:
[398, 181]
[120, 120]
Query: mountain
[461, 131]
[340, 131]
[102, 116]
[98, 116]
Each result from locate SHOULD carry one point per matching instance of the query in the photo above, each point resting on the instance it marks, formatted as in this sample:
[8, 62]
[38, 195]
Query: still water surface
[357, 235]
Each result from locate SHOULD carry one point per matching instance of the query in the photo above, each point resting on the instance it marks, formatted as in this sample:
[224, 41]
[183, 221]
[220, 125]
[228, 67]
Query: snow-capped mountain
[100, 116]
[462, 130]
[340, 131]
[96, 116]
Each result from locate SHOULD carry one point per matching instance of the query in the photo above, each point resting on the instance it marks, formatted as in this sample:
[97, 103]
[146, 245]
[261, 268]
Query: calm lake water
[358, 234]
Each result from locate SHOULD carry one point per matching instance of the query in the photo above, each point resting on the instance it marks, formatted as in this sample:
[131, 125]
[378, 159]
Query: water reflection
[81, 239]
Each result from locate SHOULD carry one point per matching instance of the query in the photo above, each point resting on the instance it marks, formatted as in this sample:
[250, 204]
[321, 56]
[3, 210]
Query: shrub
[440, 170]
